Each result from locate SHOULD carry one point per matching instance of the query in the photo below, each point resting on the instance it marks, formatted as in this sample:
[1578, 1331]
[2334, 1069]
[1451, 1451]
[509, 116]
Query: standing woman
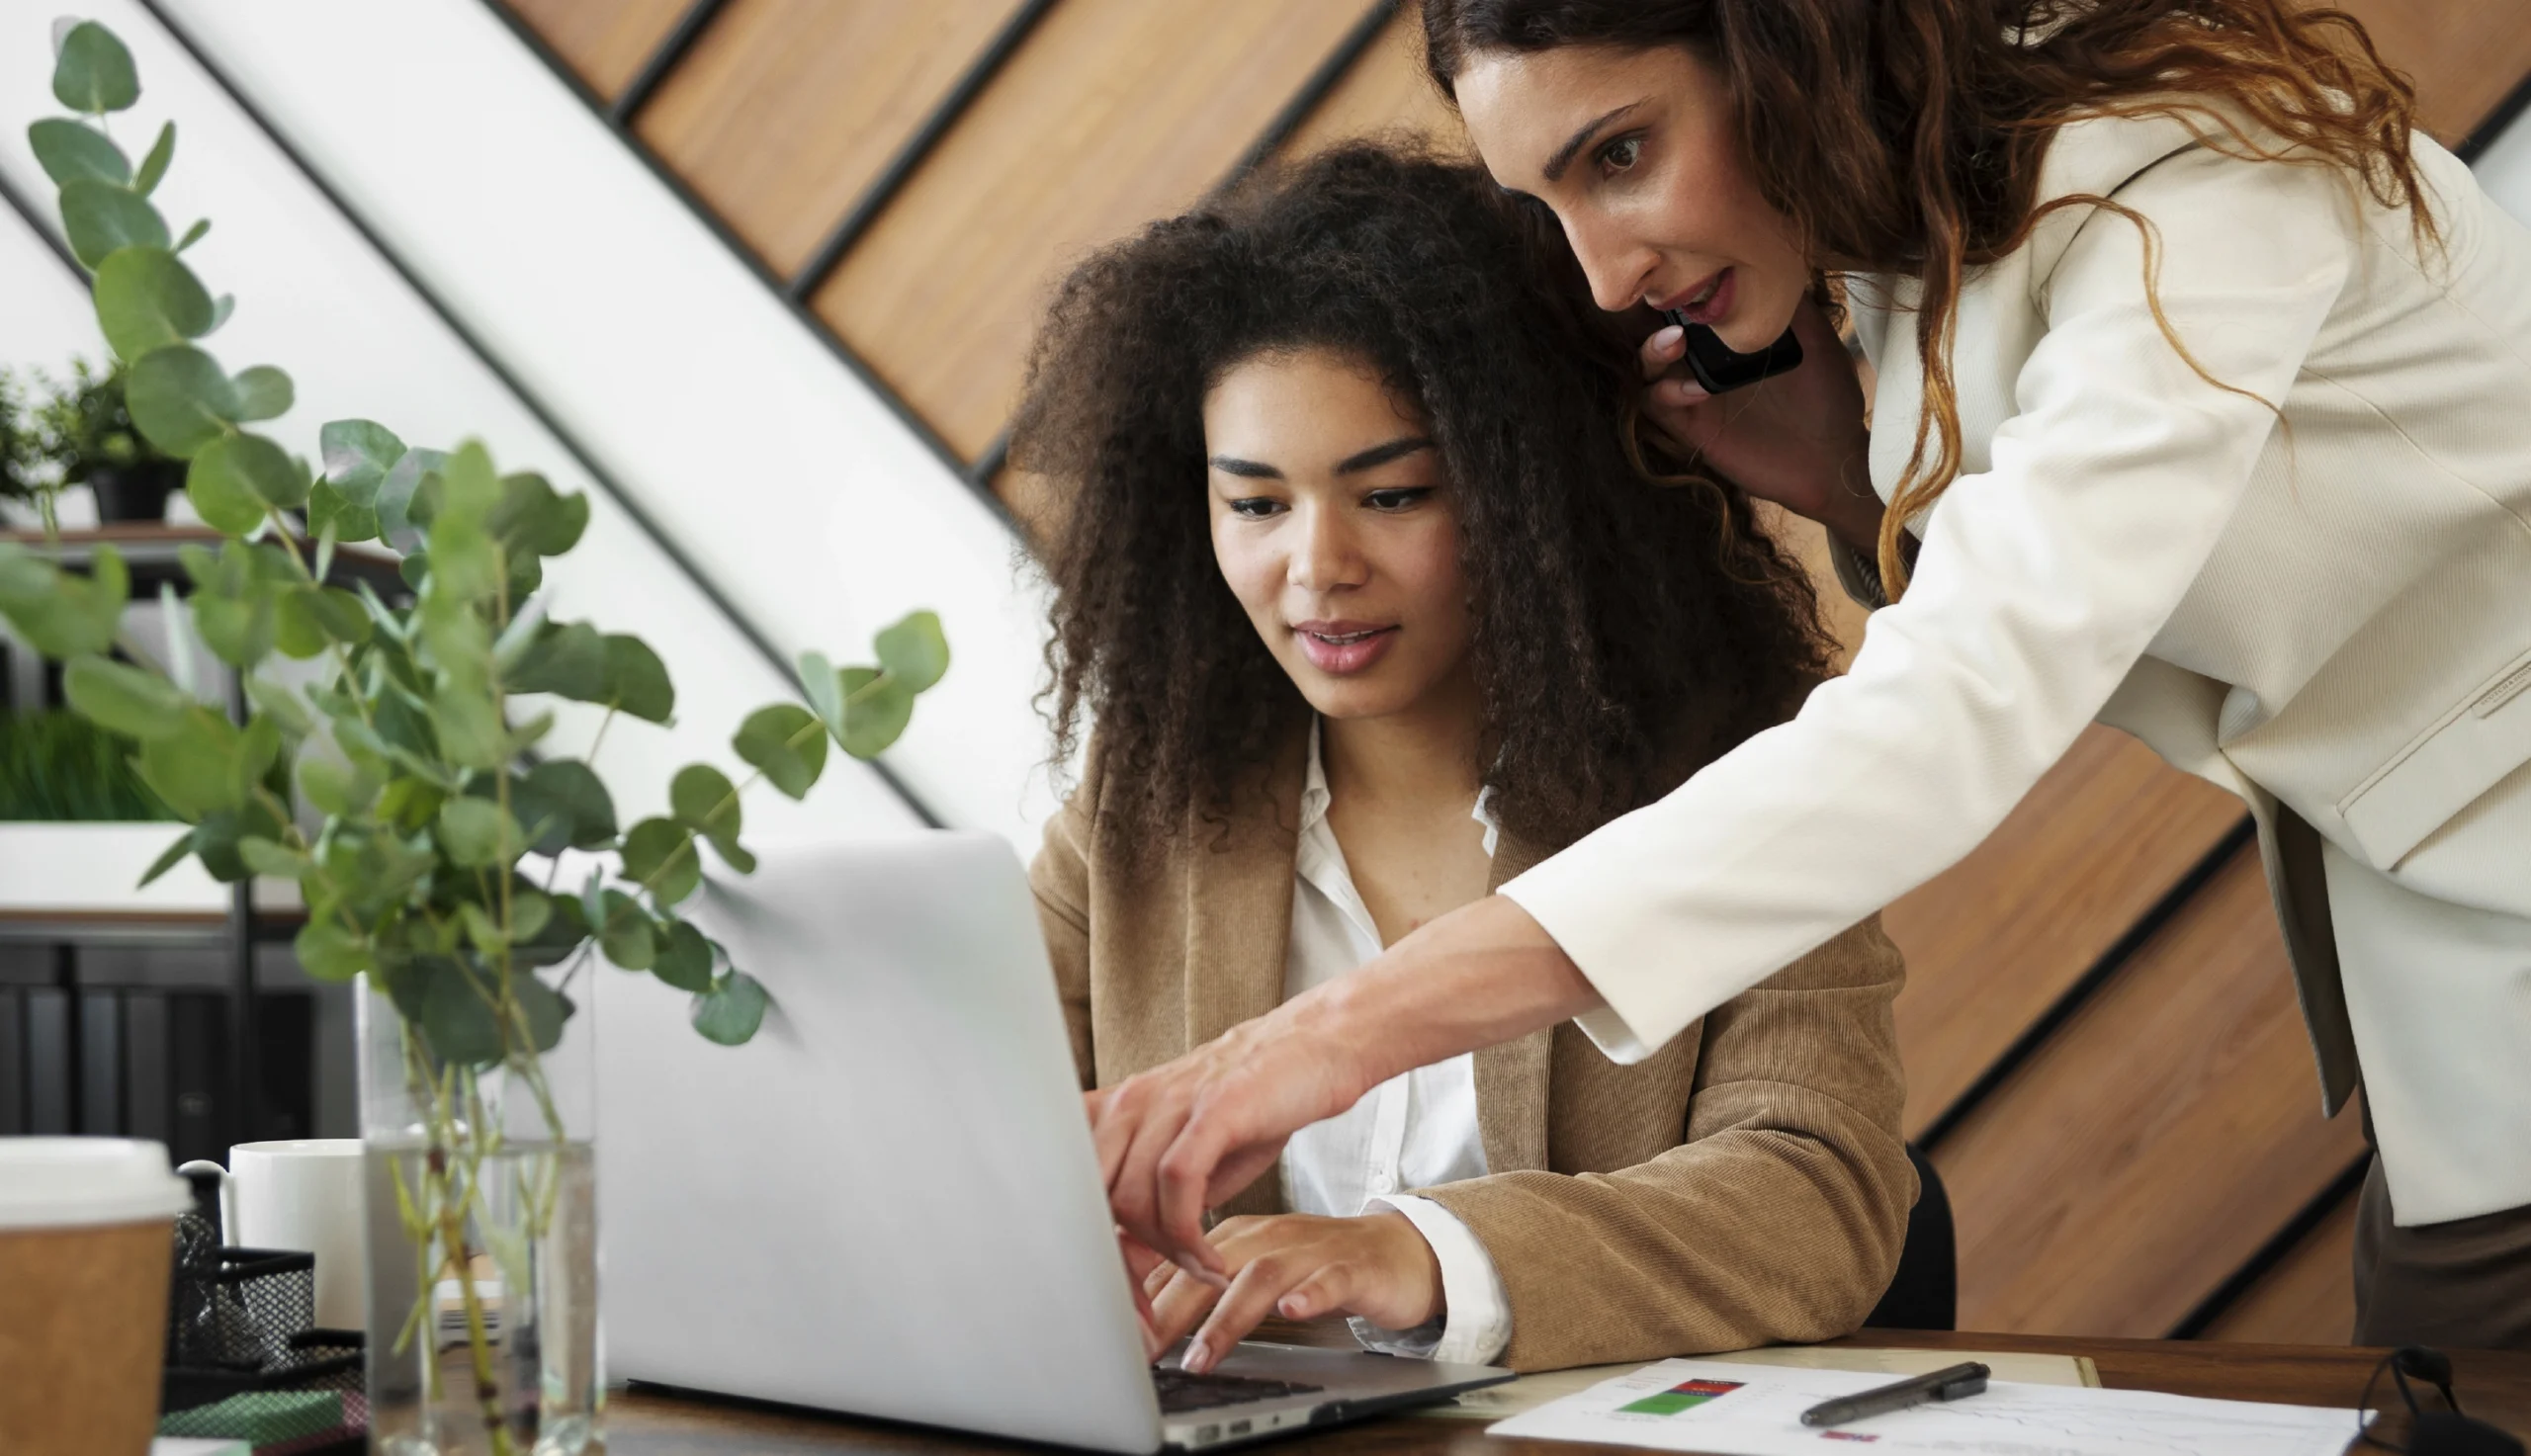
[2202, 408]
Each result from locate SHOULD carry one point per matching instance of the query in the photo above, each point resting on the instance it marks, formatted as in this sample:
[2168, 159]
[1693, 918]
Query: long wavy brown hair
[1623, 632]
[1905, 136]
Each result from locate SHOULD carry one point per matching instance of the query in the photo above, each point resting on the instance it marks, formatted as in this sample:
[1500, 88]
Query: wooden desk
[2493, 1386]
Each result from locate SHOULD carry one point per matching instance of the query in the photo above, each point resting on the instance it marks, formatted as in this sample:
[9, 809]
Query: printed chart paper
[1495, 1402]
[1755, 1411]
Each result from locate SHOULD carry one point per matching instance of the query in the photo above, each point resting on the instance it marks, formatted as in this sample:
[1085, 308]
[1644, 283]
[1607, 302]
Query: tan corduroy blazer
[1745, 1184]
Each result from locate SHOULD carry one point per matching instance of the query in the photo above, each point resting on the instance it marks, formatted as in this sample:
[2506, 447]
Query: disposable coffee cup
[87, 1238]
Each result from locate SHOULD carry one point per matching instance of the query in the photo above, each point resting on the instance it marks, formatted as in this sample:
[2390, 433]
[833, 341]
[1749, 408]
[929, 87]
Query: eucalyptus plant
[401, 782]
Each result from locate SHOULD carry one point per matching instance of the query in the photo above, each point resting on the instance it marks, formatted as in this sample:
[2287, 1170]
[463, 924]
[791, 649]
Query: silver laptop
[887, 1202]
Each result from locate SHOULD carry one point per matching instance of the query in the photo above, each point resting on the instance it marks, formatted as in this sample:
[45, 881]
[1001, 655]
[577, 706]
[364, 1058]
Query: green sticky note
[259, 1417]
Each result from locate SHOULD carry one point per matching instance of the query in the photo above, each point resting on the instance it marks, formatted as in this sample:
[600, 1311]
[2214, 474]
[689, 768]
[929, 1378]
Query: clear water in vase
[486, 1343]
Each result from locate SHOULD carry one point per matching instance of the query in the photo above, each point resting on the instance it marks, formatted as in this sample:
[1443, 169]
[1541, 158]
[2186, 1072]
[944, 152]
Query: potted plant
[21, 474]
[85, 429]
[411, 792]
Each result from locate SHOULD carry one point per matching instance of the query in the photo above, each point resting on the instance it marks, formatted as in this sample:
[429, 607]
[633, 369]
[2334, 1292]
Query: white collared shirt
[1413, 1130]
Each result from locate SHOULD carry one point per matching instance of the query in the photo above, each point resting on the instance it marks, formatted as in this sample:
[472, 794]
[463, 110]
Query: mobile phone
[1718, 367]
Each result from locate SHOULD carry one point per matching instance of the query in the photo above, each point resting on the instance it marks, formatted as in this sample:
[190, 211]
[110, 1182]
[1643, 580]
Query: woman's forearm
[1483, 973]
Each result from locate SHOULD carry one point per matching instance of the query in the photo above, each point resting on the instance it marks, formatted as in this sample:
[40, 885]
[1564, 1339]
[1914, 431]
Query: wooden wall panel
[786, 110]
[1995, 941]
[2160, 1139]
[2464, 55]
[1115, 113]
[605, 43]
[2309, 1299]
[1385, 94]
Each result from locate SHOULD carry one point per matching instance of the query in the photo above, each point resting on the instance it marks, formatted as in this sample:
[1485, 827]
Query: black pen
[1943, 1384]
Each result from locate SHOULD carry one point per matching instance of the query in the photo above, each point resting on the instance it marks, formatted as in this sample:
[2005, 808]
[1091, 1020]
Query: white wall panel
[314, 298]
[44, 317]
[807, 503]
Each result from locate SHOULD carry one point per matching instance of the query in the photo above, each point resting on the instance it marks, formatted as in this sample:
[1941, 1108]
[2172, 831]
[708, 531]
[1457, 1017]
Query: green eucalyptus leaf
[685, 959]
[475, 832]
[265, 857]
[100, 217]
[217, 836]
[61, 614]
[339, 614]
[568, 659]
[470, 730]
[482, 930]
[876, 710]
[339, 788]
[264, 393]
[329, 512]
[625, 934]
[546, 1011]
[660, 856]
[396, 493]
[410, 802]
[93, 73]
[731, 1010]
[175, 855]
[153, 167]
[69, 150]
[459, 1020]
[258, 750]
[358, 454]
[329, 952]
[825, 690]
[530, 913]
[296, 630]
[225, 303]
[180, 398]
[564, 930]
[531, 518]
[124, 699]
[239, 630]
[229, 479]
[637, 681]
[786, 743]
[284, 705]
[469, 487]
[197, 768]
[705, 800]
[915, 652]
[562, 805]
[146, 297]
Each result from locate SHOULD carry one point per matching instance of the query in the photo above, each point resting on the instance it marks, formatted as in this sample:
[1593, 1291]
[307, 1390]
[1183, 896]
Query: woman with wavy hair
[1368, 608]
[2200, 405]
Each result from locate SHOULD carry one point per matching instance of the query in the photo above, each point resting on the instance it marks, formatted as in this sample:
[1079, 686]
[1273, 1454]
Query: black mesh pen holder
[237, 1309]
[243, 1320]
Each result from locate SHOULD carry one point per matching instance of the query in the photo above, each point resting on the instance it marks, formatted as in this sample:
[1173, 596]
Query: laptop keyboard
[1181, 1392]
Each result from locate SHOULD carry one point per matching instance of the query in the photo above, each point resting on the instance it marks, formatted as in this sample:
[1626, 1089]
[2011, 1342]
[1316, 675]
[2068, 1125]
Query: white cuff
[1609, 1027]
[1476, 1328]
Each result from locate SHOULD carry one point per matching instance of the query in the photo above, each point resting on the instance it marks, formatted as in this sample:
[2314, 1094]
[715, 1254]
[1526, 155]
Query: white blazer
[2331, 619]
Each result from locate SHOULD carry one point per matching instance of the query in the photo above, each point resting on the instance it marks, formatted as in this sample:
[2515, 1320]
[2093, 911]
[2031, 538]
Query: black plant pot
[137, 492]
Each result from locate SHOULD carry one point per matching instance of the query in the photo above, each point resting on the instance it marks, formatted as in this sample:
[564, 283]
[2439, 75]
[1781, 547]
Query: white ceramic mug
[304, 1193]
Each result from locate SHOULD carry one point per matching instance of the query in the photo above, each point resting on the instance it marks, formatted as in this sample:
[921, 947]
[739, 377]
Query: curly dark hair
[1624, 630]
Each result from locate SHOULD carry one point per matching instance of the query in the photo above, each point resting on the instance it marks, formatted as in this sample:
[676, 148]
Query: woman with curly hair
[1370, 608]
[2200, 407]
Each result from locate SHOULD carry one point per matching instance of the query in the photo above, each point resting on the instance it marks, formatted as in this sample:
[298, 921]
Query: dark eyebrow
[1233, 466]
[1380, 454]
[1564, 158]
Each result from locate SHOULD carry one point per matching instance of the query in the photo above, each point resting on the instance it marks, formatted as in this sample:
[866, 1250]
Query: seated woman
[1369, 609]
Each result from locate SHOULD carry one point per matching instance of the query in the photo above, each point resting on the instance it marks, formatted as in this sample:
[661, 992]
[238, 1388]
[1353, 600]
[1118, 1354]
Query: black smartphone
[1718, 367]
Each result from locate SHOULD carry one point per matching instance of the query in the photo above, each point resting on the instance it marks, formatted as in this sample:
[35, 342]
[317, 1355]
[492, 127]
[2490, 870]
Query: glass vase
[482, 1244]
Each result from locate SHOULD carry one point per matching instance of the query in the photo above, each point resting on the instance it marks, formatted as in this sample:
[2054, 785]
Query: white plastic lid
[75, 1182]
